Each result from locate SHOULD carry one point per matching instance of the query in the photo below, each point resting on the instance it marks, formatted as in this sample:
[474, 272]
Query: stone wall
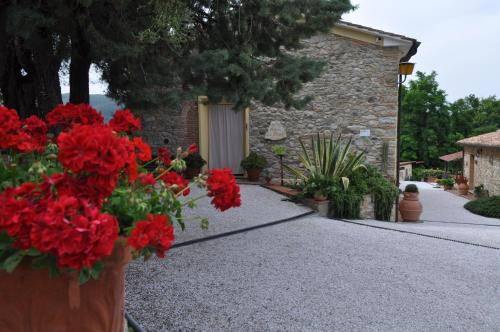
[358, 90]
[486, 168]
[171, 128]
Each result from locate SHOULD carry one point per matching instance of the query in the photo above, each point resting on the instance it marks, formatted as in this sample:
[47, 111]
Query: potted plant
[447, 183]
[253, 165]
[410, 207]
[463, 186]
[76, 209]
[194, 164]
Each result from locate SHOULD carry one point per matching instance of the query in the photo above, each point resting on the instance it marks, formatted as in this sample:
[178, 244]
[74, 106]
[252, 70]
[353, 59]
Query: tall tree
[425, 120]
[157, 52]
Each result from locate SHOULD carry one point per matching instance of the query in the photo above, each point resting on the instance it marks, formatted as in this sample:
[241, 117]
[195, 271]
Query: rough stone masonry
[357, 92]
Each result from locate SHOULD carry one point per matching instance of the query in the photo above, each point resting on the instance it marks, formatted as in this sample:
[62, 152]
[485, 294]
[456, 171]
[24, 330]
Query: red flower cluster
[29, 135]
[156, 233]
[222, 186]
[176, 182]
[68, 115]
[93, 149]
[67, 227]
[123, 121]
[164, 156]
[192, 148]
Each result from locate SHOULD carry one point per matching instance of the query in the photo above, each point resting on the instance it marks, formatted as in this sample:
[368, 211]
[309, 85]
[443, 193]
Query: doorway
[226, 131]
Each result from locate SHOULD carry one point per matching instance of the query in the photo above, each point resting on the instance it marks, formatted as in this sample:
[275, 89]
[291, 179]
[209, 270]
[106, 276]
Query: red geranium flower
[176, 182]
[147, 179]
[164, 156]
[75, 232]
[10, 125]
[123, 121]
[36, 134]
[66, 116]
[221, 185]
[93, 149]
[192, 148]
[142, 150]
[156, 233]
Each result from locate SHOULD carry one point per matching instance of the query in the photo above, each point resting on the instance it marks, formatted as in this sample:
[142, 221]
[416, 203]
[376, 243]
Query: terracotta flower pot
[190, 173]
[30, 300]
[319, 196]
[410, 207]
[463, 188]
[254, 174]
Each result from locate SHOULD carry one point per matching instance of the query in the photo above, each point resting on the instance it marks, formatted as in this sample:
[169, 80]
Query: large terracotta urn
[410, 207]
[32, 301]
[463, 188]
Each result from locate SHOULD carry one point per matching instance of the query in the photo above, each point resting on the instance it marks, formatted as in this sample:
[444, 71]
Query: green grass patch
[488, 207]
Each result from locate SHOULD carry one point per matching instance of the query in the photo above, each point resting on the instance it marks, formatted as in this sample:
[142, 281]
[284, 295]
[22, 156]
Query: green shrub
[345, 204]
[432, 172]
[480, 192]
[329, 157]
[446, 182]
[194, 160]
[417, 174]
[487, 207]
[318, 183]
[411, 188]
[254, 161]
[383, 192]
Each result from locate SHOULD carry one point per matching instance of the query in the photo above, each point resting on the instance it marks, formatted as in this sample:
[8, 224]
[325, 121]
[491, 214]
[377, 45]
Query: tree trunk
[79, 69]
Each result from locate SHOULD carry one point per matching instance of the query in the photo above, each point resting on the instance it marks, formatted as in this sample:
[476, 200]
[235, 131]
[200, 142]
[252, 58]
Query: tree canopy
[430, 125]
[160, 52]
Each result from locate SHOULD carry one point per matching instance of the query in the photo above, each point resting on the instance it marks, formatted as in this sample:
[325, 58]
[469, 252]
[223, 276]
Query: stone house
[357, 95]
[482, 161]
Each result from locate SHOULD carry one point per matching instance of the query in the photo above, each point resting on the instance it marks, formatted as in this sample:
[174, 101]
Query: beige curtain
[226, 137]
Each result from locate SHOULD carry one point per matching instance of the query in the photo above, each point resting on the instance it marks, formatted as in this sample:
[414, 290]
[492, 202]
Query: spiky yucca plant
[328, 157]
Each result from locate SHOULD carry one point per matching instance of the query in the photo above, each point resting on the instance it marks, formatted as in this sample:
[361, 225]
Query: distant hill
[103, 104]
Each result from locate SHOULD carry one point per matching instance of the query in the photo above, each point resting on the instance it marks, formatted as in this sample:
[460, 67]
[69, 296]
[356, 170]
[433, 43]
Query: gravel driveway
[444, 216]
[315, 274]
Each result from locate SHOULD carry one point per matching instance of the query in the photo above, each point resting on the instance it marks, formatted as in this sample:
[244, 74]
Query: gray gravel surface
[441, 205]
[444, 216]
[259, 206]
[316, 274]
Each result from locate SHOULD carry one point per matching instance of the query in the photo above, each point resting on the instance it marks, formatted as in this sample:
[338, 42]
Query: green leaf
[13, 261]
[32, 252]
[84, 276]
[96, 270]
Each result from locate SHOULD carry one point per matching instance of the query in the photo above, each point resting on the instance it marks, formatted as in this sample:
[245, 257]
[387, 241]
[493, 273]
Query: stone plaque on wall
[276, 131]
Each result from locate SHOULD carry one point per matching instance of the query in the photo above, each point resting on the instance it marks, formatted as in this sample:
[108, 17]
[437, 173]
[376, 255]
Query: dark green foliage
[383, 192]
[431, 125]
[320, 183]
[480, 192]
[488, 207]
[432, 172]
[253, 161]
[411, 188]
[160, 52]
[446, 182]
[194, 160]
[345, 204]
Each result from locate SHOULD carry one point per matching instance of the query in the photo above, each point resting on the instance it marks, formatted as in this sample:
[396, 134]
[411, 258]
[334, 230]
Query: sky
[460, 40]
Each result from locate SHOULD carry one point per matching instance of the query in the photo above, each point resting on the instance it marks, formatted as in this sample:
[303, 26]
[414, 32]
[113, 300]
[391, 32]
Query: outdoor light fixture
[405, 69]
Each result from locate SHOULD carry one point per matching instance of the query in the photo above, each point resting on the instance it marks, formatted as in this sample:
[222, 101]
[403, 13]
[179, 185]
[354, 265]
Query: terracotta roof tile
[452, 156]
[485, 140]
